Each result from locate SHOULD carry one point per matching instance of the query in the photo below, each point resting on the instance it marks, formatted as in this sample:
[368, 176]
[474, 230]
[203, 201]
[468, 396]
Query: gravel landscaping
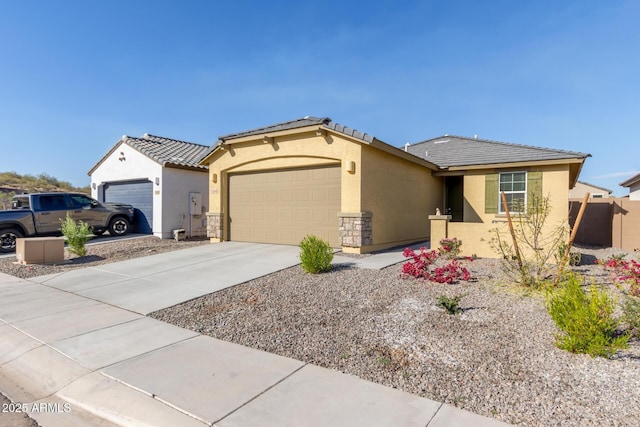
[497, 358]
[99, 252]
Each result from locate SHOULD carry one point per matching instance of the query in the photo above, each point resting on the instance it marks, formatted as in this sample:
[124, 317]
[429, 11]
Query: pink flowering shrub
[450, 247]
[625, 271]
[421, 265]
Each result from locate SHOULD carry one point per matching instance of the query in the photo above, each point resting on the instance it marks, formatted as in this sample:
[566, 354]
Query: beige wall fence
[611, 222]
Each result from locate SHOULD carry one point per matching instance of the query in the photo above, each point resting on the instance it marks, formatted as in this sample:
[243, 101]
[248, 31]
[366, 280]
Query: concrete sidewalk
[73, 359]
[378, 260]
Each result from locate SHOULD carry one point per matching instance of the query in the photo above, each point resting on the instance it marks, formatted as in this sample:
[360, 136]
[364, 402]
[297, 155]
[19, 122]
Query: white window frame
[523, 192]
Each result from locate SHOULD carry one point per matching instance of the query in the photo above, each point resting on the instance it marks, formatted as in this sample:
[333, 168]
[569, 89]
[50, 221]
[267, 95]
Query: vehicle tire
[119, 226]
[98, 231]
[8, 238]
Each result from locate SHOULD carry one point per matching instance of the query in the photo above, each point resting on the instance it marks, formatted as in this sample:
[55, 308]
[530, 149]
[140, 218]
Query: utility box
[40, 250]
[179, 234]
[195, 207]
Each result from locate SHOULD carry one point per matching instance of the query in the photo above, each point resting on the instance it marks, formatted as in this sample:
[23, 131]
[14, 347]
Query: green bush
[315, 255]
[450, 304]
[77, 235]
[585, 319]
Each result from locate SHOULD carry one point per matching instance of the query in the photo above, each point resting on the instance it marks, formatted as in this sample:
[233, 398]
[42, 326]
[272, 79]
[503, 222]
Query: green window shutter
[534, 187]
[491, 193]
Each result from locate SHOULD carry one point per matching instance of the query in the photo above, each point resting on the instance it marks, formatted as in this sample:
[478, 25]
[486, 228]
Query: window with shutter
[514, 187]
[534, 187]
[491, 194]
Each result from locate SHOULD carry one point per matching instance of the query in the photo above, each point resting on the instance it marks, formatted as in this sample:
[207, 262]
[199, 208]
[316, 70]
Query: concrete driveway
[147, 284]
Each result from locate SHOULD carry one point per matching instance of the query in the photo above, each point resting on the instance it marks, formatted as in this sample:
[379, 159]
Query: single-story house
[278, 183]
[633, 184]
[161, 178]
[595, 192]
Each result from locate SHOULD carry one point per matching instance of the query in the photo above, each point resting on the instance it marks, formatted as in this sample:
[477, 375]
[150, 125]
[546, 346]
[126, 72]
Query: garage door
[137, 193]
[283, 206]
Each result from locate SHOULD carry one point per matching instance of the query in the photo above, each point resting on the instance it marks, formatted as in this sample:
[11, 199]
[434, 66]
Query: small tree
[537, 241]
[77, 235]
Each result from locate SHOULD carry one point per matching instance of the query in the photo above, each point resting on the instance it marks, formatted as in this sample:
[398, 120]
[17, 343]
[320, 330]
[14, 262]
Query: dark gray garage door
[137, 193]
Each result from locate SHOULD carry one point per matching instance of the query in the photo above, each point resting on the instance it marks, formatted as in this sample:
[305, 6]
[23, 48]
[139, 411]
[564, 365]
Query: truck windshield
[80, 201]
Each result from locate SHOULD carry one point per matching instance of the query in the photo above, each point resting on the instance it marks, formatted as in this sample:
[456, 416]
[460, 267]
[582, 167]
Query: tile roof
[299, 123]
[457, 151]
[165, 151]
[444, 152]
[293, 124]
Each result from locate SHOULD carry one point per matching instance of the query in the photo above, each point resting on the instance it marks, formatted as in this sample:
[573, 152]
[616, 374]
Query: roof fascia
[279, 133]
[630, 181]
[203, 168]
[517, 164]
[322, 130]
[398, 152]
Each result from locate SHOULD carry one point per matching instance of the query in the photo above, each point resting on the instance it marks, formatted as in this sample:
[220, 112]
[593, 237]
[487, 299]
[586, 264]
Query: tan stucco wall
[580, 189]
[399, 193]
[287, 151]
[475, 232]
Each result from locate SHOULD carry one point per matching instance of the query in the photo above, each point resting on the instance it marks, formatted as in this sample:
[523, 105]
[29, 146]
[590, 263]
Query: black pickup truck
[40, 214]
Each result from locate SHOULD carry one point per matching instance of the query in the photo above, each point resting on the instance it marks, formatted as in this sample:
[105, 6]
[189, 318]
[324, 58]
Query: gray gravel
[99, 252]
[497, 358]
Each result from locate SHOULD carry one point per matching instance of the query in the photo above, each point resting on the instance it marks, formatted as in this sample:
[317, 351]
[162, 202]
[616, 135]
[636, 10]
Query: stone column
[215, 226]
[356, 229]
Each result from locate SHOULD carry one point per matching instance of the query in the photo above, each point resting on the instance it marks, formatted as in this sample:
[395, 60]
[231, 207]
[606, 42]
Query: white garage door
[283, 206]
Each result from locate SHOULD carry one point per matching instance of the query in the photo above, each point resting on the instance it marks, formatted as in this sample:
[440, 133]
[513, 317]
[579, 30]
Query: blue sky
[76, 75]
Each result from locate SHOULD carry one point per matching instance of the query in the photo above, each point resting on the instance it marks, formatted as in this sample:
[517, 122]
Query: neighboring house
[161, 178]
[278, 183]
[582, 188]
[633, 184]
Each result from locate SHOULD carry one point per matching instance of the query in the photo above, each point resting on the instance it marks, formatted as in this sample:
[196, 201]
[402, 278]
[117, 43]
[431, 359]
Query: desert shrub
[450, 247]
[585, 320]
[77, 234]
[624, 271]
[450, 304]
[538, 243]
[315, 254]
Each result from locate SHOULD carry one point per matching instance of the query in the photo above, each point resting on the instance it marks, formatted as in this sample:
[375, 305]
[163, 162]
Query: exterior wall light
[351, 166]
[214, 178]
[157, 180]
